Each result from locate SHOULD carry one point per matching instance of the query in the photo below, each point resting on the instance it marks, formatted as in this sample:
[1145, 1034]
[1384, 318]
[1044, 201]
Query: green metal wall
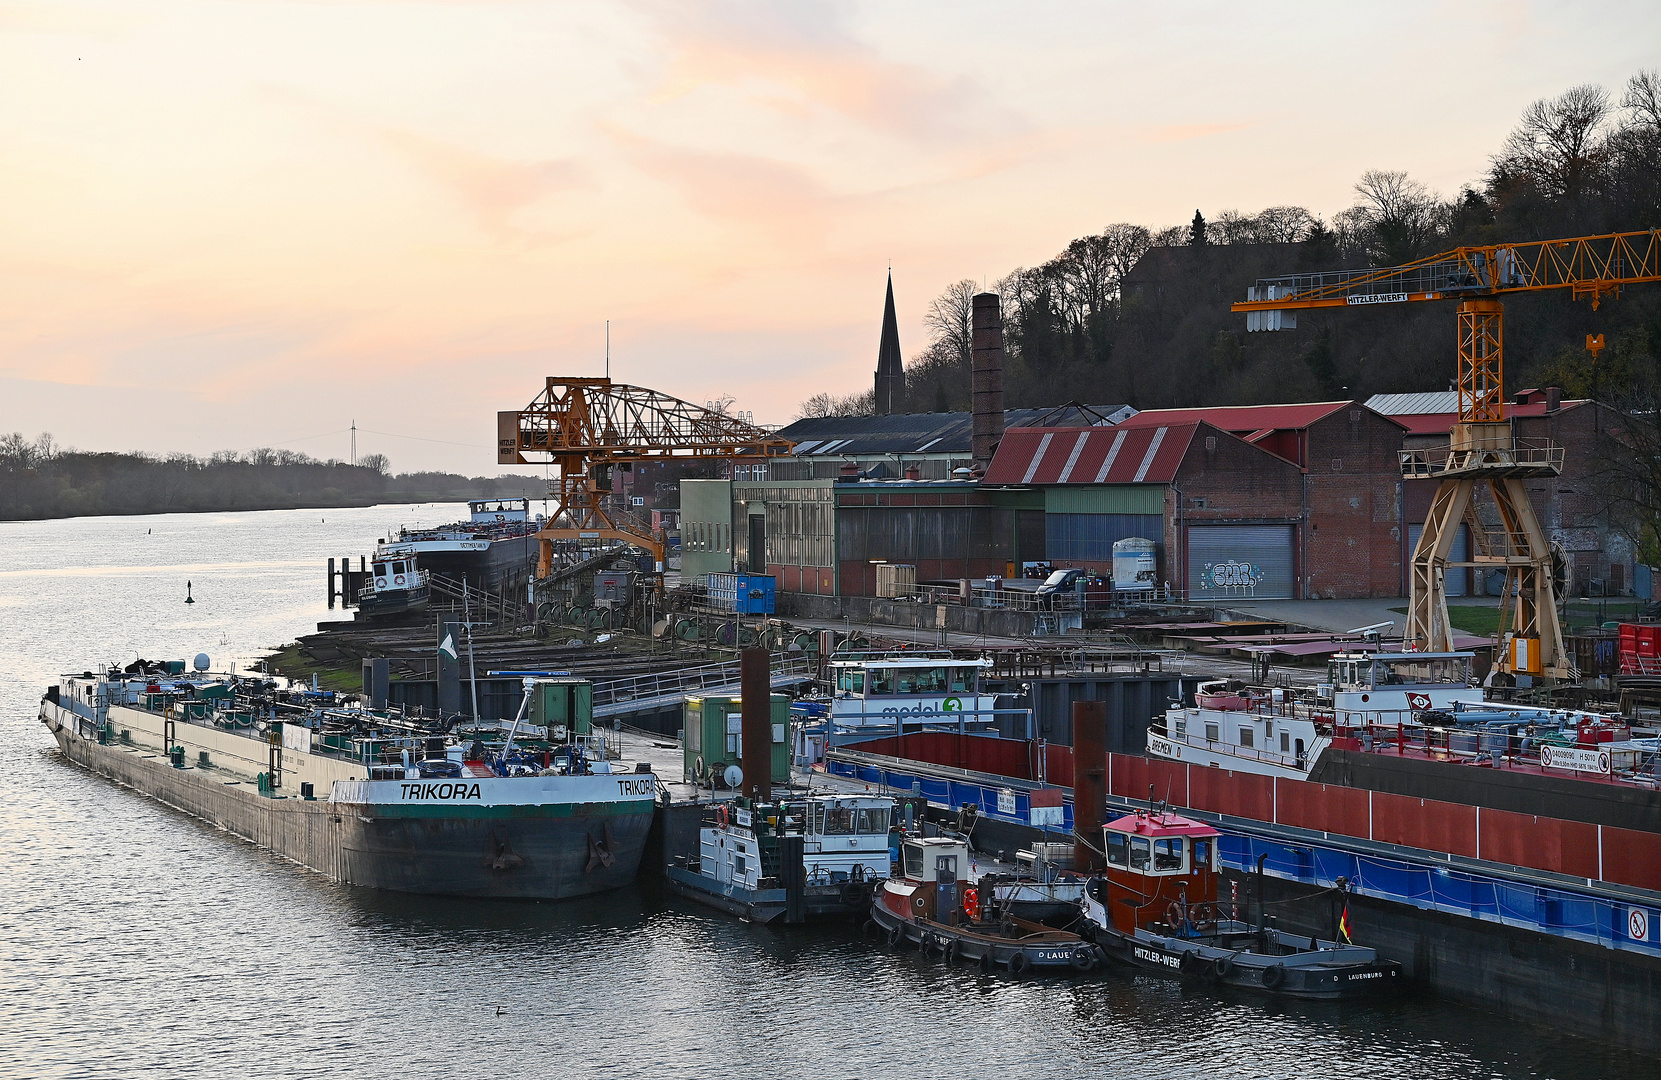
[706, 528]
[1105, 499]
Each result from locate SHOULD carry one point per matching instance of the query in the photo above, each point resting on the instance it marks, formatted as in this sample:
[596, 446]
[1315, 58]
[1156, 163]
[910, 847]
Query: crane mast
[1482, 451]
[589, 428]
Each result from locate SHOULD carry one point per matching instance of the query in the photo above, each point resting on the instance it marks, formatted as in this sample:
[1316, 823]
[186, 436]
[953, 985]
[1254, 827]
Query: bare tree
[949, 319]
[1559, 145]
[1397, 216]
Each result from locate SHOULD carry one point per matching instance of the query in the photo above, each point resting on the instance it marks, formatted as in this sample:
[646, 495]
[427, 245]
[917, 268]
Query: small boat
[931, 907]
[1153, 910]
[395, 586]
[796, 858]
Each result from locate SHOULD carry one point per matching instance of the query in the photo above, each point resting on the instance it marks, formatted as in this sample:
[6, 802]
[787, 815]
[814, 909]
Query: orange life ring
[399, 580]
[721, 816]
[971, 903]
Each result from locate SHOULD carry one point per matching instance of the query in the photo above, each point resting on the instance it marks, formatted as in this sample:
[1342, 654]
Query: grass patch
[295, 665]
[1478, 619]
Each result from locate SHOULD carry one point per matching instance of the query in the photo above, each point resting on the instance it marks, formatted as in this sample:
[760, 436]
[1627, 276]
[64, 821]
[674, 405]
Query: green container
[713, 736]
[563, 702]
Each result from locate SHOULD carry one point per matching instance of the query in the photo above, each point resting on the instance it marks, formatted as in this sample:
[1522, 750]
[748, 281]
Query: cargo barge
[375, 799]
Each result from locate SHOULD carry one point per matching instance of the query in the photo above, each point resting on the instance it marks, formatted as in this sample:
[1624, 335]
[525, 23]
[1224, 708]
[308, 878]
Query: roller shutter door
[1456, 582]
[1240, 561]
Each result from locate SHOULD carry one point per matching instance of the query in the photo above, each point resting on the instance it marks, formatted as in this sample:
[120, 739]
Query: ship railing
[1287, 760]
[1502, 749]
[720, 675]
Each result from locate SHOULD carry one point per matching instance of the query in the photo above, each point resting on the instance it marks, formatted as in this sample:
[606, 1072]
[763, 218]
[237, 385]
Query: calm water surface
[138, 942]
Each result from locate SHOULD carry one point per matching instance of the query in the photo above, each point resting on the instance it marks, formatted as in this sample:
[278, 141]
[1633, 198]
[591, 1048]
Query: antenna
[608, 348]
[354, 441]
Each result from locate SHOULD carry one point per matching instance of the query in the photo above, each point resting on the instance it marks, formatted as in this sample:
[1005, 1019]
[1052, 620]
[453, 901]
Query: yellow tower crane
[589, 427]
[1482, 450]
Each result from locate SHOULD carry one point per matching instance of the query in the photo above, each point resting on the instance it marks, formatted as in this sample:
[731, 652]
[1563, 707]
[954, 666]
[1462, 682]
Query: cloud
[796, 57]
[492, 188]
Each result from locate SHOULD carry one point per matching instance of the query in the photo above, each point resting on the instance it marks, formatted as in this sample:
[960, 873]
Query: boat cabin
[1161, 868]
[1396, 683]
[393, 573]
[498, 511]
[844, 838]
[908, 691]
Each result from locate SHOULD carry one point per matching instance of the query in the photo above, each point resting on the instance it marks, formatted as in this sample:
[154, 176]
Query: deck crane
[589, 427]
[1482, 449]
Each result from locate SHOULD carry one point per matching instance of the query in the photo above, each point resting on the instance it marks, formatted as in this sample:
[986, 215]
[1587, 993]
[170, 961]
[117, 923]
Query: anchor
[502, 857]
[599, 851]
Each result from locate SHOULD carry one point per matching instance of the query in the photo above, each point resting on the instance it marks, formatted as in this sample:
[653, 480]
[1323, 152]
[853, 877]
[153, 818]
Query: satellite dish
[202, 662]
[733, 776]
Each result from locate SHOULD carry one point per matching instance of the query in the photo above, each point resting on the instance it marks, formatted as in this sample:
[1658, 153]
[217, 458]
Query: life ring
[1019, 962]
[698, 769]
[1173, 915]
[399, 580]
[1222, 967]
[1274, 976]
[971, 903]
[1083, 958]
[721, 816]
[380, 583]
[895, 933]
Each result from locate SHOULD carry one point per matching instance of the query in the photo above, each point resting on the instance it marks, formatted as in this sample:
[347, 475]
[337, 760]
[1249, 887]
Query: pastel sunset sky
[235, 223]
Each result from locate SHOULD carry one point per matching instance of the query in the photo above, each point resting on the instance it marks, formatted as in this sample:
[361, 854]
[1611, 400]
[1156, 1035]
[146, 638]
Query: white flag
[449, 646]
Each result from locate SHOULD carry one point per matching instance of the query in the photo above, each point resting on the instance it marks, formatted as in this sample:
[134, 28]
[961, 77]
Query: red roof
[1245, 419]
[1442, 423]
[1125, 454]
[1160, 825]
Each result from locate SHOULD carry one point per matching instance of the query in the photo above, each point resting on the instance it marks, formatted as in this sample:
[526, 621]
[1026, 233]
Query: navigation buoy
[188, 599]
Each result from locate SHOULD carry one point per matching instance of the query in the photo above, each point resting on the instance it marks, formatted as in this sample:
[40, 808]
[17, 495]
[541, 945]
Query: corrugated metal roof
[1245, 419]
[919, 433]
[1433, 401]
[1125, 454]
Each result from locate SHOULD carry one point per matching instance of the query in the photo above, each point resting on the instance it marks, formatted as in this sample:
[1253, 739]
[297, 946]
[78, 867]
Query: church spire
[890, 369]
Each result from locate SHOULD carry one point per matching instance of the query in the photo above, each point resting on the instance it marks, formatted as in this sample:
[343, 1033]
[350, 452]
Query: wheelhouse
[908, 690]
[1156, 861]
[1398, 682]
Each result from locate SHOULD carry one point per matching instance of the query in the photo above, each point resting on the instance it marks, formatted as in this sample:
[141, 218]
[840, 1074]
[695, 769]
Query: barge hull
[505, 856]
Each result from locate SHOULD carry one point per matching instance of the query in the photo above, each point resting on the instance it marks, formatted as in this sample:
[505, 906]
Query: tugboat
[1153, 910]
[926, 907]
[815, 856]
[396, 586]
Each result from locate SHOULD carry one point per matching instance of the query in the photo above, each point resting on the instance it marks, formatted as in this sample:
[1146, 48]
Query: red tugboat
[932, 906]
[1155, 909]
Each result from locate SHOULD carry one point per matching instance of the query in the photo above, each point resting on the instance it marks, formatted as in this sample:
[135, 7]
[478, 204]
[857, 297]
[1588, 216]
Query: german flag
[1344, 924]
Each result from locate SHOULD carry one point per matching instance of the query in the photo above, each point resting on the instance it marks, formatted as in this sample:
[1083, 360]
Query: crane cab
[1157, 864]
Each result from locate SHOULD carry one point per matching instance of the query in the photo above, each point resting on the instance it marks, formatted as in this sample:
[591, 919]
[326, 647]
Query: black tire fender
[951, 951]
[1083, 958]
[1274, 976]
[1019, 962]
[1222, 967]
[895, 935]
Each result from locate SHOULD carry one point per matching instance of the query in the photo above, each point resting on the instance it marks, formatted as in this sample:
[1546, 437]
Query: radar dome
[201, 662]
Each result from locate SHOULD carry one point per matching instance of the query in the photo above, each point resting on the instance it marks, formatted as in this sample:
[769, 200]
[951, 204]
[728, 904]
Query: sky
[227, 224]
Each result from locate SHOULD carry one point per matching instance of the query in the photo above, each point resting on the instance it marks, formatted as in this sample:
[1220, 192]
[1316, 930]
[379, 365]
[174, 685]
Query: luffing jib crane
[589, 427]
[1482, 449]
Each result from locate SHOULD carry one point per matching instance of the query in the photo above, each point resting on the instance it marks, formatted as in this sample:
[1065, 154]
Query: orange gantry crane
[1482, 450]
[589, 427]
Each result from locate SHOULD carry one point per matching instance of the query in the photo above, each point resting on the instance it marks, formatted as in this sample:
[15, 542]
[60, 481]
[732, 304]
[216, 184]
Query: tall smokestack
[987, 387]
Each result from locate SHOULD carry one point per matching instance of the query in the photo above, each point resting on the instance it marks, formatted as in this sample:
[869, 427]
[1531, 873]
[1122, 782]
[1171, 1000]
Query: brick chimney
[986, 389]
[1554, 398]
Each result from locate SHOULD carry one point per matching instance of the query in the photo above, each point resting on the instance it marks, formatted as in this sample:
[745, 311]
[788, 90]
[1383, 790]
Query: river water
[138, 942]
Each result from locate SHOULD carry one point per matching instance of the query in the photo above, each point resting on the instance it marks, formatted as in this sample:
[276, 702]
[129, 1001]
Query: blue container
[743, 594]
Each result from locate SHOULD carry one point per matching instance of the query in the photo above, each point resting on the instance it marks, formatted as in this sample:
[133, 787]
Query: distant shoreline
[389, 498]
